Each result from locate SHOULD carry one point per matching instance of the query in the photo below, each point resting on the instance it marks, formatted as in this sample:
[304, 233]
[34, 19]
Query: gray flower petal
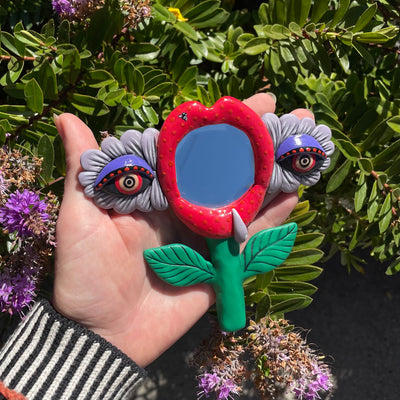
[157, 198]
[113, 147]
[87, 178]
[143, 200]
[306, 126]
[310, 179]
[94, 160]
[323, 134]
[326, 164]
[104, 200]
[131, 140]
[125, 205]
[149, 146]
[290, 124]
[290, 182]
[276, 179]
[89, 191]
[273, 125]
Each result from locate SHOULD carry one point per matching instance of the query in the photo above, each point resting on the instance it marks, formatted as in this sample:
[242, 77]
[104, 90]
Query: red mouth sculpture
[215, 223]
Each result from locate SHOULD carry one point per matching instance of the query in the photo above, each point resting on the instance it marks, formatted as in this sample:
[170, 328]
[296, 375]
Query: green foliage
[338, 58]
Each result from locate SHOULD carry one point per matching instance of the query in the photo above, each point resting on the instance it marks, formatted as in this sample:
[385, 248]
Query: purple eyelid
[128, 160]
[305, 142]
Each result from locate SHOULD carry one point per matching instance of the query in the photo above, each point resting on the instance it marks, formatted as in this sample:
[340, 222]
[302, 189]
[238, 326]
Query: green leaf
[179, 265]
[256, 46]
[308, 240]
[387, 154]
[2, 135]
[186, 29]
[284, 303]
[373, 203]
[365, 165]
[45, 149]
[204, 9]
[292, 287]
[160, 90]
[385, 214]
[12, 44]
[348, 149]
[298, 11]
[365, 17]
[268, 249]
[71, 65]
[47, 80]
[203, 96]
[34, 96]
[320, 7]
[59, 155]
[338, 176]
[88, 105]
[394, 267]
[354, 239]
[98, 78]
[303, 219]
[144, 51]
[304, 256]
[361, 193]
[213, 90]
[162, 14]
[263, 307]
[340, 13]
[298, 273]
[371, 37]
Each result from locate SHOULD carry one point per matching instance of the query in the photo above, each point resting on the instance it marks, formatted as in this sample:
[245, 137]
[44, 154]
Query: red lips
[214, 222]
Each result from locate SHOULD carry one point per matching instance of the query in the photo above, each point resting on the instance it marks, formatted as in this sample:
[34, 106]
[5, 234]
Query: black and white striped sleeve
[52, 357]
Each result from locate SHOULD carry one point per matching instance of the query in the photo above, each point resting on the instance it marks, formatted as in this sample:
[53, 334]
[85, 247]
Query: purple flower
[16, 292]
[226, 389]
[23, 213]
[62, 7]
[208, 382]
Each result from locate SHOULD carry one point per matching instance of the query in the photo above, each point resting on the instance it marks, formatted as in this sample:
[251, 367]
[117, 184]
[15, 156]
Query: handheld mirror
[213, 167]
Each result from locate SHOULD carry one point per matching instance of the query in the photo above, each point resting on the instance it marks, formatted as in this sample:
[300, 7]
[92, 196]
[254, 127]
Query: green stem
[228, 284]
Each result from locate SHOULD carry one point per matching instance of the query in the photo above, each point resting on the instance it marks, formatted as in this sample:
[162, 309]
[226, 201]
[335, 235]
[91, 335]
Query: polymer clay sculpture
[214, 167]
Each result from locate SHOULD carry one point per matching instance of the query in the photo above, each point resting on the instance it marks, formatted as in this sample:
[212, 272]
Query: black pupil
[129, 182]
[305, 161]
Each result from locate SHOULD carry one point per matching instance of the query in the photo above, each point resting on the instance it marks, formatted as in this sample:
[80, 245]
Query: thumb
[77, 138]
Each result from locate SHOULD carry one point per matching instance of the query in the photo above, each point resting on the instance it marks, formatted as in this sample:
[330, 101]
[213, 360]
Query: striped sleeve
[52, 357]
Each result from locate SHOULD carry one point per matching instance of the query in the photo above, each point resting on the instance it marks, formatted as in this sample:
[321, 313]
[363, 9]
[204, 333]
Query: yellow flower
[177, 13]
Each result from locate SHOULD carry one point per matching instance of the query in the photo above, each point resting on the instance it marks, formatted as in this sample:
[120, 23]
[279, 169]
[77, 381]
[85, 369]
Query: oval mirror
[214, 165]
[213, 160]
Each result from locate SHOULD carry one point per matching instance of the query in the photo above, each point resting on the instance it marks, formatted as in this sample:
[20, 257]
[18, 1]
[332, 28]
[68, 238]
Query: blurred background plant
[121, 64]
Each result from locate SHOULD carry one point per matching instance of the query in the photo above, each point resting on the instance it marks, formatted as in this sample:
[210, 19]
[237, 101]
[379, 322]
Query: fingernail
[272, 95]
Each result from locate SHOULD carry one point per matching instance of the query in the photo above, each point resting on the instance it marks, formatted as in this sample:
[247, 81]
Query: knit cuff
[52, 357]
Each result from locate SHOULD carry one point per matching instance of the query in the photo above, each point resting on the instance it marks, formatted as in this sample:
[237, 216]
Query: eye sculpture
[302, 151]
[126, 175]
[122, 175]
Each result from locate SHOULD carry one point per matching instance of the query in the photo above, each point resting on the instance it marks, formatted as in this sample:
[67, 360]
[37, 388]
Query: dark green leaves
[34, 96]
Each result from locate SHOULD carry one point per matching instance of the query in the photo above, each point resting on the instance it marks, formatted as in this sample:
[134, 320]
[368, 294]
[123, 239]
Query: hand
[101, 278]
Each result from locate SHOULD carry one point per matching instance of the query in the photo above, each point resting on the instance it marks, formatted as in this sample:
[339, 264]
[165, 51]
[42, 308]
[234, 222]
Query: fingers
[261, 103]
[303, 113]
[77, 138]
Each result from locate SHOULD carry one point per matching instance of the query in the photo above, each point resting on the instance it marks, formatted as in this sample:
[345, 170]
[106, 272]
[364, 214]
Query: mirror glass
[214, 165]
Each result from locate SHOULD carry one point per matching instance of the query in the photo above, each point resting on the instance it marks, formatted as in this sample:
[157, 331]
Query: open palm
[102, 280]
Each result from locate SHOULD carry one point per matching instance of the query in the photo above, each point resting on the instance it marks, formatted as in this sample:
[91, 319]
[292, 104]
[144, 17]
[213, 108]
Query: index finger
[261, 103]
